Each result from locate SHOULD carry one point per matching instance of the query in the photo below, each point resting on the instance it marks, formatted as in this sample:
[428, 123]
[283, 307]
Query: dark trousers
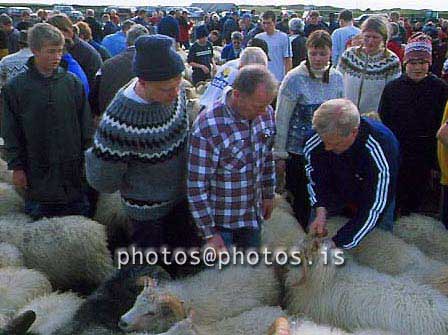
[444, 207]
[243, 238]
[199, 75]
[38, 210]
[296, 183]
[412, 185]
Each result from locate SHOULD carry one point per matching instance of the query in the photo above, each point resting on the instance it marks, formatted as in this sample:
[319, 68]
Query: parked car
[195, 12]
[123, 12]
[16, 12]
[360, 19]
[64, 9]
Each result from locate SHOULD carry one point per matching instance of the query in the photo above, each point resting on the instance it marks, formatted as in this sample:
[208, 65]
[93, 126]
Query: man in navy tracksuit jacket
[356, 165]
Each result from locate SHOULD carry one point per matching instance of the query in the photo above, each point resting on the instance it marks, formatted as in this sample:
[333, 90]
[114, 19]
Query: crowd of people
[348, 116]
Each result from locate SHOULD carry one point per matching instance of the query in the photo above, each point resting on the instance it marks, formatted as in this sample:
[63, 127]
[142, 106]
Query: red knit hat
[419, 47]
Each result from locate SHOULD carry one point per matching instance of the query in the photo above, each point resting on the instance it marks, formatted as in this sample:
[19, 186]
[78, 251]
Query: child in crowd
[200, 56]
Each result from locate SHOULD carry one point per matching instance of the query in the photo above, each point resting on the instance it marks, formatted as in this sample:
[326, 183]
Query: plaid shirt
[231, 168]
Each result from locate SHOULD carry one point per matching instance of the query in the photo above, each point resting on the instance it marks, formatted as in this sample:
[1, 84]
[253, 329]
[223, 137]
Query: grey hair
[236, 35]
[44, 34]
[251, 76]
[253, 55]
[336, 116]
[136, 31]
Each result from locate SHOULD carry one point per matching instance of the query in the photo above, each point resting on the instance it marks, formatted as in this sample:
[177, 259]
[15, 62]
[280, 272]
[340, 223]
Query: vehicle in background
[360, 19]
[149, 9]
[63, 9]
[124, 12]
[16, 12]
[195, 12]
[3, 10]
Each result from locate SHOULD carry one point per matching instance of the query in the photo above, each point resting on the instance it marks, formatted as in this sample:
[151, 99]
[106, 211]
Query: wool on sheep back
[10, 255]
[353, 297]
[53, 311]
[427, 233]
[18, 286]
[71, 251]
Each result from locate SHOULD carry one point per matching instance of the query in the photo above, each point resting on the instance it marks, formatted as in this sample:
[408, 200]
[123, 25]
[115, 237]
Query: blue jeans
[37, 210]
[386, 221]
[244, 238]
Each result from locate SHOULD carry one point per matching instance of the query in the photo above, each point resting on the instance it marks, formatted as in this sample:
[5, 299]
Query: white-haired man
[350, 161]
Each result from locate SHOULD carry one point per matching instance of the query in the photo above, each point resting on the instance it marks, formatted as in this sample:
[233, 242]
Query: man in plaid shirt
[231, 169]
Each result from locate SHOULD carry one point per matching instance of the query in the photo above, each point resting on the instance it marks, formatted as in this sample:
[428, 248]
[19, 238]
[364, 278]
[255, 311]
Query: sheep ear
[174, 304]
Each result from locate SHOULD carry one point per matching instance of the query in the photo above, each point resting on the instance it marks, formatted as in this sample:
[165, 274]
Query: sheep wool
[10, 200]
[10, 256]
[389, 254]
[71, 251]
[18, 286]
[343, 296]
[428, 234]
[5, 174]
[53, 311]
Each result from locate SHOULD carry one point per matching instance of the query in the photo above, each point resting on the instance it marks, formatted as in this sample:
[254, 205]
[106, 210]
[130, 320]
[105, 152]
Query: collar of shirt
[224, 100]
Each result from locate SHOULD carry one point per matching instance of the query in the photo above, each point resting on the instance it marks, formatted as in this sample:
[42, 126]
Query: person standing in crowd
[230, 25]
[144, 154]
[394, 44]
[228, 72]
[215, 38]
[248, 25]
[232, 50]
[341, 37]
[314, 23]
[116, 43]
[280, 53]
[82, 52]
[350, 160]
[231, 175]
[12, 34]
[115, 73]
[95, 26]
[46, 129]
[214, 23]
[109, 27]
[283, 25]
[302, 91]
[42, 15]
[298, 41]
[15, 63]
[401, 36]
[185, 26]
[442, 150]
[25, 22]
[200, 56]
[367, 68]
[86, 35]
[169, 26]
[334, 24]
[71, 65]
[412, 107]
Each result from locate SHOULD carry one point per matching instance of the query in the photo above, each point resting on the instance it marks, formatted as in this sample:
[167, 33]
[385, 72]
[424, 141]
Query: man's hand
[19, 179]
[268, 206]
[205, 69]
[318, 226]
[216, 242]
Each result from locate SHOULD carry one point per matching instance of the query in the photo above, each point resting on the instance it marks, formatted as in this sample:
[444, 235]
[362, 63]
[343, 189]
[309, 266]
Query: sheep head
[152, 306]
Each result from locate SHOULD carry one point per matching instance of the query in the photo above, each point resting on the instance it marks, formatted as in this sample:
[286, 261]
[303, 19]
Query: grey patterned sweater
[140, 150]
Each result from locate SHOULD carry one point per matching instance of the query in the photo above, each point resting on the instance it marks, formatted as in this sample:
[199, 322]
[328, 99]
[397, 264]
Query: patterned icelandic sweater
[140, 149]
[366, 76]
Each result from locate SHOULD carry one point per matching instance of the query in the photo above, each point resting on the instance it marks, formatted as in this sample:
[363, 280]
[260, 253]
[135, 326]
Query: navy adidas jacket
[365, 175]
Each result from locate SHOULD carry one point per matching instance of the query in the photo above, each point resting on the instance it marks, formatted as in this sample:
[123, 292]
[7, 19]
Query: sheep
[10, 256]
[353, 297]
[389, 254]
[18, 286]
[428, 234]
[70, 250]
[52, 311]
[116, 295]
[110, 213]
[213, 295]
[10, 200]
[193, 108]
[5, 174]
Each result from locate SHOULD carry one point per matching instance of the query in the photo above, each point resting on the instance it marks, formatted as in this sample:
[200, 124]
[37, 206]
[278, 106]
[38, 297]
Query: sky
[361, 4]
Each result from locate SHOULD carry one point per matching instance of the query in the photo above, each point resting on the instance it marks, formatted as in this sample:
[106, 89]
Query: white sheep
[10, 200]
[193, 108]
[53, 311]
[70, 250]
[10, 256]
[389, 254]
[213, 295]
[354, 297]
[428, 234]
[18, 286]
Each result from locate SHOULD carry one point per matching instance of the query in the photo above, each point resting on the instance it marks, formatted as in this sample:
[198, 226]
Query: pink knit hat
[419, 47]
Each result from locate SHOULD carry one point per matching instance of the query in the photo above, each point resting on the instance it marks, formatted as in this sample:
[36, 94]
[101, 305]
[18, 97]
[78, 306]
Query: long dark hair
[319, 39]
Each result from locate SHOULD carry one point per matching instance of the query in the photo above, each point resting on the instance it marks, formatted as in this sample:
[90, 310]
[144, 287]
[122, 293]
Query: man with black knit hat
[140, 145]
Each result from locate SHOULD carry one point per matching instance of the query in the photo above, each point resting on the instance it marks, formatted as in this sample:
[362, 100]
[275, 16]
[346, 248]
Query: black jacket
[46, 127]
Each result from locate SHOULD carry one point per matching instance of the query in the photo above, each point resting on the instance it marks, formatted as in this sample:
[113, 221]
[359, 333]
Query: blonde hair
[84, 30]
[336, 116]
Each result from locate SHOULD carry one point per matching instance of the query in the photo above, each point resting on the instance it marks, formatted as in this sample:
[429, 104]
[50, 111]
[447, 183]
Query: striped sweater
[140, 150]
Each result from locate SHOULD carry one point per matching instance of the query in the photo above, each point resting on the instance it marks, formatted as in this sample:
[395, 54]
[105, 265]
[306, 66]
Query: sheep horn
[175, 304]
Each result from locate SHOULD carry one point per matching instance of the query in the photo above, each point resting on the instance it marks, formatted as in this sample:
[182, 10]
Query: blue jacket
[228, 53]
[74, 67]
[365, 175]
[169, 26]
[115, 43]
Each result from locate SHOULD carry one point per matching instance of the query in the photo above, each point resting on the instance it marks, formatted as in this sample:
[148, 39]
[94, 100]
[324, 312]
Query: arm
[202, 164]
[287, 56]
[376, 197]
[268, 172]
[335, 52]
[385, 107]
[288, 64]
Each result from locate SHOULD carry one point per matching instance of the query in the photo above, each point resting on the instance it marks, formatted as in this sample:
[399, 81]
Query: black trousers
[296, 183]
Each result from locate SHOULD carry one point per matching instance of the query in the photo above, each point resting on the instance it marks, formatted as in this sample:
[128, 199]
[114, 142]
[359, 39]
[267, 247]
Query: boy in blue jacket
[351, 160]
